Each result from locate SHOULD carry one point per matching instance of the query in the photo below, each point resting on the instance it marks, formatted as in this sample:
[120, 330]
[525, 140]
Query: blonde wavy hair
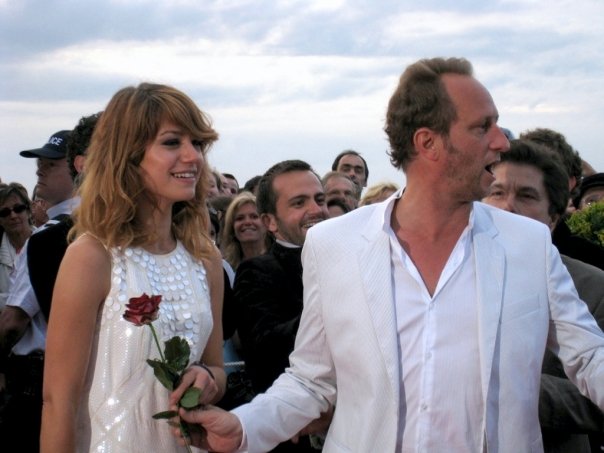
[230, 245]
[113, 183]
[378, 192]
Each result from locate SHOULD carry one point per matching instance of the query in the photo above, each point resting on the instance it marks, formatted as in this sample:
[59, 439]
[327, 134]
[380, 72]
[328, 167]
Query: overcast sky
[294, 78]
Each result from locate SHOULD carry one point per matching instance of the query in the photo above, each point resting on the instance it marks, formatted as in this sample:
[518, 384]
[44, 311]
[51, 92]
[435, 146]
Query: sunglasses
[17, 209]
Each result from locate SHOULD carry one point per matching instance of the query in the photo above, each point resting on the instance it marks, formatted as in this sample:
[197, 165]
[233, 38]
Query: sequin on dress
[121, 392]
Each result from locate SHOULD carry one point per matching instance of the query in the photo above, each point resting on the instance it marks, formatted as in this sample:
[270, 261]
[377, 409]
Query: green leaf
[190, 398]
[165, 414]
[588, 223]
[177, 352]
[164, 373]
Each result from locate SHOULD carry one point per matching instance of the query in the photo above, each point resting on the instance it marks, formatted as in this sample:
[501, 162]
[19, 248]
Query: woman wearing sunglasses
[15, 228]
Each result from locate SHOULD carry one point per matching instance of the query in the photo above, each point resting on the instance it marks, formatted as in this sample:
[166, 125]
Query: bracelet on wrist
[205, 367]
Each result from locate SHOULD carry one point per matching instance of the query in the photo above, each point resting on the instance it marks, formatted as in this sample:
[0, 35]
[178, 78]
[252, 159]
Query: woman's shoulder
[88, 247]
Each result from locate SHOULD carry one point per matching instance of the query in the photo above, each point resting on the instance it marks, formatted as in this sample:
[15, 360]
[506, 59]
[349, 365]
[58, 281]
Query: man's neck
[428, 229]
[286, 244]
[429, 216]
[64, 207]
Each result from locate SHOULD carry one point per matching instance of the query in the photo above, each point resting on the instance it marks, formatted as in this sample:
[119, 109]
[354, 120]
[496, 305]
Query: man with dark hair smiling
[268, 288]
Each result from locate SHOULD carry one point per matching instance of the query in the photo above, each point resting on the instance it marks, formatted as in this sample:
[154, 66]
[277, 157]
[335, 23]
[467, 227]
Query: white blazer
[346, 348]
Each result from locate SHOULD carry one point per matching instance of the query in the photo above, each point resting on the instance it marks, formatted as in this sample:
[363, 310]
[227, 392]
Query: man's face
[519, 188]
[474, 141]
[212, 187]
[231, 186]
[354, 167]
[300, 205]
[54, 180]
[226, 190]
[342, 188]
[592, 195]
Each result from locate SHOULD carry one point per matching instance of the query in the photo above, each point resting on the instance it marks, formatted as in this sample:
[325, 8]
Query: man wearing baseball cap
[54, 179]
[22, 323]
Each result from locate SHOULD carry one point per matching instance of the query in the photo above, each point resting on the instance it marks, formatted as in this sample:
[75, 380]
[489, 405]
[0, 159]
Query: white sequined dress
[121, 392]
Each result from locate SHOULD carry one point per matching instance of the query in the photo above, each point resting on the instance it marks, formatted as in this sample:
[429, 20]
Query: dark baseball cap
[55, 148]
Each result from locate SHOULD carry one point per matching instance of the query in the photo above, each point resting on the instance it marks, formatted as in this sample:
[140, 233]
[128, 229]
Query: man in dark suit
[268, 289]
[530, 181]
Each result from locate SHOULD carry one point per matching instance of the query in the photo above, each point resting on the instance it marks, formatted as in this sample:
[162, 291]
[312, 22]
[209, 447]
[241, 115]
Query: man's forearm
[13, 324]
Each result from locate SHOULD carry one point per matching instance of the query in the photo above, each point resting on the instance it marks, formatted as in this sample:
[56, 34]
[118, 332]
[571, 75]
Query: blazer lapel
[374, 260]
[490, 261]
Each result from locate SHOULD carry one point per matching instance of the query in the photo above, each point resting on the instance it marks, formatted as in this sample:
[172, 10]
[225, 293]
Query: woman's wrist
[205, 367]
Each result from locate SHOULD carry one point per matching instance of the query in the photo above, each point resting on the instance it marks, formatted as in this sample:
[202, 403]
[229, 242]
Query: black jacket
[45, 251]
[577, 247]
[268, 295]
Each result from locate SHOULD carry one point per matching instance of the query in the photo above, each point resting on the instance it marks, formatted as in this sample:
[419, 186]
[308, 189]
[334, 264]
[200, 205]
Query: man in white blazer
[426, 317]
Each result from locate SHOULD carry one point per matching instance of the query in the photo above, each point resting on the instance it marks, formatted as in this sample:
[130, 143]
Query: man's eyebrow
[298, 197]
[527, 189]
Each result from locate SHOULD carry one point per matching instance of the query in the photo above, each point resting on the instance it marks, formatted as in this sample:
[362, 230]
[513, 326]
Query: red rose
[142, 310]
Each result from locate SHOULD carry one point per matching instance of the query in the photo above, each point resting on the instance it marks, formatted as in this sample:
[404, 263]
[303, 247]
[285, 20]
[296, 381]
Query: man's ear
[78, 163]
[427, 143]
[270, 222]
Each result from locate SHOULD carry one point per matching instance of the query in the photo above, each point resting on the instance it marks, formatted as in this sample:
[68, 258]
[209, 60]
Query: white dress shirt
[22, 294]
[441, 403]
[8, 256]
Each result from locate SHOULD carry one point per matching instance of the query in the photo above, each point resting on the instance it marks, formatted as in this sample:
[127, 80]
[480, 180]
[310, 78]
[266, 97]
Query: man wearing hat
[22, 323]
[591, 190]
[54, 179]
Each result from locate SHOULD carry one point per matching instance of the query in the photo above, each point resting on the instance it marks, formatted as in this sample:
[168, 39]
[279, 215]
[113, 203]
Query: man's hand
[13, 324]
[212, 429]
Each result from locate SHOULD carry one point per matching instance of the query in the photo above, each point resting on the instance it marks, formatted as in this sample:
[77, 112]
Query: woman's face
[247, 224]
[14, 215]
[172, 165]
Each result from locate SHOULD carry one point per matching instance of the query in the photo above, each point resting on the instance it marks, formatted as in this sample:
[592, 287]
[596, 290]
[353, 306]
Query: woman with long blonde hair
[244, 235]
[141, 228]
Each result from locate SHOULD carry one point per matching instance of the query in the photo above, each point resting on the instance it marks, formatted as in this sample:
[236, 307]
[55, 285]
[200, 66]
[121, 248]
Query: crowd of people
[321, 312]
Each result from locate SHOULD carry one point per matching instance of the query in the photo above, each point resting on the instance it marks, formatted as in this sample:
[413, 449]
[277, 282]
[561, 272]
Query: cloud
[294, 78]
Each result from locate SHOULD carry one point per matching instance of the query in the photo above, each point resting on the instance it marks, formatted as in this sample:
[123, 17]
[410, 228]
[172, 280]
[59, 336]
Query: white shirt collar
[64, 207]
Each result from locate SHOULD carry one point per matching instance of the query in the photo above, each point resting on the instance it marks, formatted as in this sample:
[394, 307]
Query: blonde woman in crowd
[378, 192]
[244, 235]
[141, 228]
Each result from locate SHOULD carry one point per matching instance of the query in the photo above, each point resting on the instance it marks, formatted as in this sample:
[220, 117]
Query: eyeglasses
[17, 209]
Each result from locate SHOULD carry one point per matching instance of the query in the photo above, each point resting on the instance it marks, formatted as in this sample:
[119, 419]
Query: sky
[294, 79]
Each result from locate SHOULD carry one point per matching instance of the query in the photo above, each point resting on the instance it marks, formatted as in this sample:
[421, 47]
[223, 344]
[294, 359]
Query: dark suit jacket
[45, 251]
[577, 247]
[565, 415]
[268, 295]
